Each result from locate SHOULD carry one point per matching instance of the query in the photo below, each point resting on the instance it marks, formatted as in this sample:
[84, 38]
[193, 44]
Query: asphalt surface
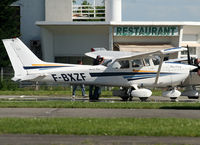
[93, 140]
[18, 139]
[80, 98]
[99, 113]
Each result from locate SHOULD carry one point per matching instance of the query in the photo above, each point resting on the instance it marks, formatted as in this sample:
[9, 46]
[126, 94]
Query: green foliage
[102, 126]
[8, 85]
[9, 27]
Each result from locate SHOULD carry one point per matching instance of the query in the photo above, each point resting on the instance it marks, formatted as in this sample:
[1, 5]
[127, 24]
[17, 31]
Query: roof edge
[143, 23]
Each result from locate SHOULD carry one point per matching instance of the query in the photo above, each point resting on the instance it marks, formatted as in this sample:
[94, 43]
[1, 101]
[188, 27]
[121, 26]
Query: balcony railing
[88, 13]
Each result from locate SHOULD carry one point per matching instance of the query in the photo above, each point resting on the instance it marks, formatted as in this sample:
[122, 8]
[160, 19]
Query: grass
[102, 126]
[49, 93]
[58, 92]
[109, 105]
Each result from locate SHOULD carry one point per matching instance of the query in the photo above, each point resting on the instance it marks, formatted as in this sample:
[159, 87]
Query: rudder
[20, 56]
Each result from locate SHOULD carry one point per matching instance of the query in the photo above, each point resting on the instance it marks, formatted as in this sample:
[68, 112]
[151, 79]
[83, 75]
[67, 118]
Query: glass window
[107, 62]
[88, 10]
[156, 60]
[137, 63]
[121, 64]
[147, 62]
[192, 51]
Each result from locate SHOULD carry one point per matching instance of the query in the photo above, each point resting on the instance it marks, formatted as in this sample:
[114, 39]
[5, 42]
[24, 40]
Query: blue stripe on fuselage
[43, 67]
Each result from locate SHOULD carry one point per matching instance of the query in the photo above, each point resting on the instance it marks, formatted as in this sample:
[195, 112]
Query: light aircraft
[134, 72]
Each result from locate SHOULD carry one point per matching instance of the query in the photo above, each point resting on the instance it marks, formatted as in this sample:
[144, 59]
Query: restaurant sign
[146, 31]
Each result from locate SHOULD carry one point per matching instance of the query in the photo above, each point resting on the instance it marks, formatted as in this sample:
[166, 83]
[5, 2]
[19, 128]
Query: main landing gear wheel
[172, 93]
[191, 92]
[125, 98]
[193, 97]
[143, 99]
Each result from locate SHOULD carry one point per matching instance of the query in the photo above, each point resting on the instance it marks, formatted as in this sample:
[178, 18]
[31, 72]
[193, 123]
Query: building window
[192, 51]
[88, 10]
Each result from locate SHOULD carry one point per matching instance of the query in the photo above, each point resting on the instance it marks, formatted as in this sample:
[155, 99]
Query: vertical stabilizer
[20, 56]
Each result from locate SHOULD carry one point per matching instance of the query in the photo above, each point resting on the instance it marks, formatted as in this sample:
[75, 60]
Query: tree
[9, 27]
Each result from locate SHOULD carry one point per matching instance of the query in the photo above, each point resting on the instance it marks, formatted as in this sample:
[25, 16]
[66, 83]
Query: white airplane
[132, 71]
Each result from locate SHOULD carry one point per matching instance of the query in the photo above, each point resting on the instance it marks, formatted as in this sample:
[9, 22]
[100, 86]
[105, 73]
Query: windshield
[107, 62]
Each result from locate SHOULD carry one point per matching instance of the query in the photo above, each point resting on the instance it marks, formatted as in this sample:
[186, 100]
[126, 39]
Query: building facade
[66, 30]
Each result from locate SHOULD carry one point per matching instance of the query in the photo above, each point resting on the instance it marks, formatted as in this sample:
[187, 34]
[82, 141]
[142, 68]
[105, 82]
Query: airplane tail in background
[20, 56]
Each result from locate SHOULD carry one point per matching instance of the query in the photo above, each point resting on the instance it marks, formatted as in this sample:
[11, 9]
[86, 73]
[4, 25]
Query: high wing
[110, 54]
[177, 60]
[119, 55]
[160, 52]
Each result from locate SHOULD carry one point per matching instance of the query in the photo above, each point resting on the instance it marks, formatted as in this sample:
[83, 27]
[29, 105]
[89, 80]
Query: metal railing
[88, 12]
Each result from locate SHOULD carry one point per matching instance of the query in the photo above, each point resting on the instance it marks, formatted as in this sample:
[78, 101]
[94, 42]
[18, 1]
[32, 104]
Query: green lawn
[119, 105]
[50, 93]
[102, 126]
[55, 93]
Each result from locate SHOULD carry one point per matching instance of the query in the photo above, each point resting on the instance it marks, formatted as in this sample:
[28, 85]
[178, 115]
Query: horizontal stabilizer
[29, 78]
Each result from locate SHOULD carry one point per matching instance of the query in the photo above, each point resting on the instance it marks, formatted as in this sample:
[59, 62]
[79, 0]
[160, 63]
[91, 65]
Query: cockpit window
[107, 62]
[121, 64]
[124, 64]
[156, 60]
[137, 63]
[147, 62]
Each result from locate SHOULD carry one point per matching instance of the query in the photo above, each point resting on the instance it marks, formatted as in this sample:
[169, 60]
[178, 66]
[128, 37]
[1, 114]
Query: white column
[47, 45]
[198, 48]
[180, 39]
[110, 38]
[180, 35]
[113, 10]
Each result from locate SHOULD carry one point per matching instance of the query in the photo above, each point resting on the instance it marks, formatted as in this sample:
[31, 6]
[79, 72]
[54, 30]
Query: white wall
[73, 40]
[47, 45]
[31, 11]
[58, 10]
[191, 37]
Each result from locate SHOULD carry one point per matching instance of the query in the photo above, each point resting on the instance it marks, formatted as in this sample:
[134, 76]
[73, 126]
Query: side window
[156, 60]
[147, 62]
[123, 64]
[137, 63]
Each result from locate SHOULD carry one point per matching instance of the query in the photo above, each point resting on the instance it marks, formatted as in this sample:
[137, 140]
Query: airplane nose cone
[192, 67]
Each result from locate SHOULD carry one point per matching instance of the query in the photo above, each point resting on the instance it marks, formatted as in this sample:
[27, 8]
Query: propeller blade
[188, 55]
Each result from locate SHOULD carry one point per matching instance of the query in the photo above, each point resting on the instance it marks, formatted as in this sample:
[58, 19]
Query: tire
[193, 97]
[125, 98]
[143, 99]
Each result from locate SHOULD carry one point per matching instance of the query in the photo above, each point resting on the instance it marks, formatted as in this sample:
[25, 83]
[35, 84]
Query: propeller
[188, 55]
[195, 62]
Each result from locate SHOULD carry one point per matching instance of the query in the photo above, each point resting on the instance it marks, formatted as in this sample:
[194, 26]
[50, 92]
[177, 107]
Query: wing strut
[159, 69]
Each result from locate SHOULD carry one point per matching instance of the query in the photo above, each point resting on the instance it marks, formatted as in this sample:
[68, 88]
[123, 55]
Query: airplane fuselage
[171, 74]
